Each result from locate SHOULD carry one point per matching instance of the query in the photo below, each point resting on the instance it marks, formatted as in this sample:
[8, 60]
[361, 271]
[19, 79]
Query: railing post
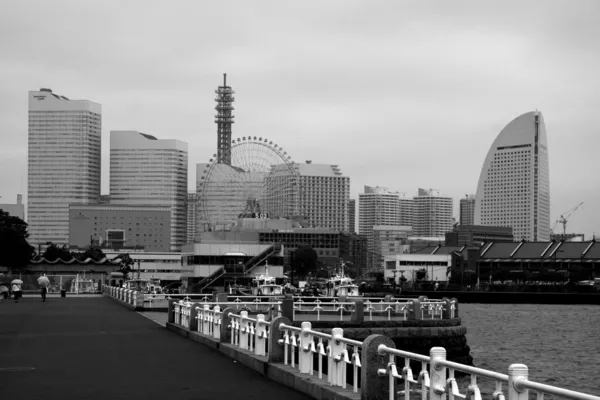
[276, 350]
[447, 312]
[287, 307]
[414, 310]
[193, 314]
[517, 373]
[305, 355]
[205, 319]
[260, 335]
[225, 321]
[244, 330]
[171, 311]
[373, 385]
[358, 315]
[335, 367]
[437, 374]
[455, 301]
[140, 300]
[216, 322]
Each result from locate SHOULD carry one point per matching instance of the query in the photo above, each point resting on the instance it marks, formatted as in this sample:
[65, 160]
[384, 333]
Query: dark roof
[531, 250]
[500, 250]
[447, 249]
[593, 252]
[571, 249]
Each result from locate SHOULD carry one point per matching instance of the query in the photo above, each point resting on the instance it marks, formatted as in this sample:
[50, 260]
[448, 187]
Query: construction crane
[563, 218]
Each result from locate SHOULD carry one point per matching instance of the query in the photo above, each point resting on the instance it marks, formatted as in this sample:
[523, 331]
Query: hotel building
[514, 185]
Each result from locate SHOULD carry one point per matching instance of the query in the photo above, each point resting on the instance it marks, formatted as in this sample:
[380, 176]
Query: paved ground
[94, 348]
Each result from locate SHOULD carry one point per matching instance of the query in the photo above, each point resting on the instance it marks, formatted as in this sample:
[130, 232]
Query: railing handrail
[255, 320]
[473, 370]
[323, 335]
[522, 383]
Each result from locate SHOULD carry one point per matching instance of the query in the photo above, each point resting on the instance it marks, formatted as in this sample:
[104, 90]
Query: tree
[421, 274]
[54, 252]
[93, 252]
[15, 251]
[305, 260]
[125, 265]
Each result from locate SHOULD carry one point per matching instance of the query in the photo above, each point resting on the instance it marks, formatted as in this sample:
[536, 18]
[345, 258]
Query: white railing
[438, 381]
[300, 343]
[209, 321]
[249, 334]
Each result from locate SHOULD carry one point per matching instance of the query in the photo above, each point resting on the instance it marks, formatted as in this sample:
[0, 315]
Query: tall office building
[376, 206]
[63, 163]
[433, 214]
[192, 216]
[147, 171]
[514, 185]
[352, 215]
[467, 210]
[407, 210]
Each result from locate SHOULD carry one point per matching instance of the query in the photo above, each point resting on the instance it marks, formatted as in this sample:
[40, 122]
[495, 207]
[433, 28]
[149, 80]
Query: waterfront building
[432, 213]
[14, 210]
[514, 185]
[192, 216]
[63, 162]
[566, 237]
[477, 235]
[165, 266]
[147, 171]
[352, 215]
[527, 262]
[435, 266]
[113, 226]
[467, 210]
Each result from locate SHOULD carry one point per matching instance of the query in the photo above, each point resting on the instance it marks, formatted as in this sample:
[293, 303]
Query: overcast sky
[397, 93]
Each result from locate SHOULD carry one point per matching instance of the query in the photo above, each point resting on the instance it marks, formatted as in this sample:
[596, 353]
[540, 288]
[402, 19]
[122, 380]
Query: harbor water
[559, 343]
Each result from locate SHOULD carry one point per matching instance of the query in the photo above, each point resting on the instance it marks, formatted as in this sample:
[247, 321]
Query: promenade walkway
[94, 348]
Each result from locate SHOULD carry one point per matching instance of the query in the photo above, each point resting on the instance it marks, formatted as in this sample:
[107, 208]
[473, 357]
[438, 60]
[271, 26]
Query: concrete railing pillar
[140, 300]
[171, 311]
[287, 307]
[244, 331]
[205, 328]
[194, 317]
[217, 320]
[358, 315]
[373, 385]
[276, 350]
[305, 355]
[260, 334]
[454, 301]
[336, 368]
[225, 322]
[437, 374]
[414, 310]
[516, 374]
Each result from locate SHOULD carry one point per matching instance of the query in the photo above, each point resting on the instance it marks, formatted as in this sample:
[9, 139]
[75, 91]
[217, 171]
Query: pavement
[94, 348]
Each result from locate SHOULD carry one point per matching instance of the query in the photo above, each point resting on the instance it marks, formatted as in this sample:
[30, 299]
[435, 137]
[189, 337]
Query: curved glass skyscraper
[514, 185]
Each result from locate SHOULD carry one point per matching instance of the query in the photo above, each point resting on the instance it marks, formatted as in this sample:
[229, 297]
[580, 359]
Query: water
[559, 343]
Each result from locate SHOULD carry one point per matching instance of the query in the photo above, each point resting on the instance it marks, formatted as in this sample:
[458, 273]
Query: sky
[401, 94]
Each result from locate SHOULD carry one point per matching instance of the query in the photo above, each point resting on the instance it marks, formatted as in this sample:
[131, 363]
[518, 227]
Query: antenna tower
[224, 119]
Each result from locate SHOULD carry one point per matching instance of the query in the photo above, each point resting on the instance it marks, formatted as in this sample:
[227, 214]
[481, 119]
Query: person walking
[16, 289]
[43, 281]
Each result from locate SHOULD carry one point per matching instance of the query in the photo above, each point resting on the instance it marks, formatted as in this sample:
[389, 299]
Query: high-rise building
[376, 206]
[514, 185]
[147, 171]
[323, 196]
[467, 210]
[63, 162]
[192, 216]
[407, 210]
[433, 214]
[352, 215]
[389, 240]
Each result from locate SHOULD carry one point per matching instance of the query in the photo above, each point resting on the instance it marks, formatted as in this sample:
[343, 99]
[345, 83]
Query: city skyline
[354, 95]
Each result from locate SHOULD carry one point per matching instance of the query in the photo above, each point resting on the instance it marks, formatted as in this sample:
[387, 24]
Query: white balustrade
[442, 373]
[249, 333]
[307, 343]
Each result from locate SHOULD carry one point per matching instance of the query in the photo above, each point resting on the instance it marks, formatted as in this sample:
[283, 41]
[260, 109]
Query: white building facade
[63, 162]
[432, 213]
[147, 171]
[514, 185]
[436, 267]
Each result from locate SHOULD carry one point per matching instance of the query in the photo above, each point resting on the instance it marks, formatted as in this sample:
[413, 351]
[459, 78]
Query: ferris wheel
[261, 182]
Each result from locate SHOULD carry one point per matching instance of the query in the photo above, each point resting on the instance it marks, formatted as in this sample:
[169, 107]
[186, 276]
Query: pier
[92, 348]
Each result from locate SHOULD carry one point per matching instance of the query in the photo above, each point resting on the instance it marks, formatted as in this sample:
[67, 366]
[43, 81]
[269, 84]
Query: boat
[83, 285]
[341, 285]
[265, 285]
